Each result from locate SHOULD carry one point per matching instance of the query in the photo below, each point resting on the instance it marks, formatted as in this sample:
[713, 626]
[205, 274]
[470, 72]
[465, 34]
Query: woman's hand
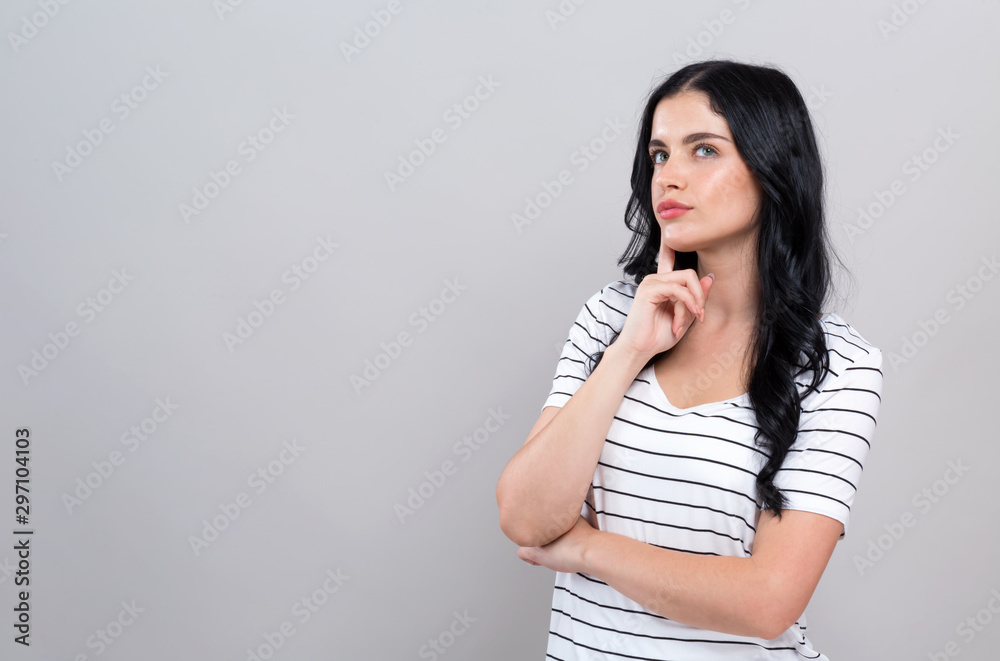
[665, 305]
[564, 554]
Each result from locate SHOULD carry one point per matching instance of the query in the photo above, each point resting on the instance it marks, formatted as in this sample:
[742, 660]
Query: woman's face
[695, 162]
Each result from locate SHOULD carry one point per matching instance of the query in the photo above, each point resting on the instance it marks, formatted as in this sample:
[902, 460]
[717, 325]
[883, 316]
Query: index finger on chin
[666, 259]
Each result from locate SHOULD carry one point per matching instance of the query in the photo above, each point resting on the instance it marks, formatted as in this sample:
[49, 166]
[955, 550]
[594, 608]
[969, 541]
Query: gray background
[878, 100]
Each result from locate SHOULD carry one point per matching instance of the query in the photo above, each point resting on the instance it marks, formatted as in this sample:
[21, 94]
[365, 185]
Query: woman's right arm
[541, 491]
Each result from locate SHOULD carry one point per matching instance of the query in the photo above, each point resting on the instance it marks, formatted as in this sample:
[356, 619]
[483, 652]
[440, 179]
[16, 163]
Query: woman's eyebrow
[694, 137]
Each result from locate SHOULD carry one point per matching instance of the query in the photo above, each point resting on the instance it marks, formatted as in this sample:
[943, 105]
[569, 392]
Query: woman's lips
[671, 208]
[673, 212]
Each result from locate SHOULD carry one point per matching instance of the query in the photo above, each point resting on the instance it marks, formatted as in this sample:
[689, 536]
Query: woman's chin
[675, 240]
[680, 246]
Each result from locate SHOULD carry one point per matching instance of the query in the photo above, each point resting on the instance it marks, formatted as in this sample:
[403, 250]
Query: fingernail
[712, 276]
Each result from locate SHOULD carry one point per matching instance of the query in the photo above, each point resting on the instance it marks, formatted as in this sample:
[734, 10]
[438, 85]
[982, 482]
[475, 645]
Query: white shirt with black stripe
[684, 479]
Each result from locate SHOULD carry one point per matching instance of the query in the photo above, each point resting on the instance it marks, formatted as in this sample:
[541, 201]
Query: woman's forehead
[687, 113]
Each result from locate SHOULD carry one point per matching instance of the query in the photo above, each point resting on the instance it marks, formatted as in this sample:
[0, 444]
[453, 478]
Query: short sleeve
[823, 467]
[590, 333]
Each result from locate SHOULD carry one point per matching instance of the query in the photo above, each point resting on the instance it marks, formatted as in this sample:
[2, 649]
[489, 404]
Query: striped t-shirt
[684, 479]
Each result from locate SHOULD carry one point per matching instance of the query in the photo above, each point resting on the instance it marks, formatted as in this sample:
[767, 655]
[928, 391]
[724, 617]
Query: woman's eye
[701, 150]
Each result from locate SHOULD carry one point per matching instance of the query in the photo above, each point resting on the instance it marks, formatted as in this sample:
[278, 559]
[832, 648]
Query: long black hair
[774, 135]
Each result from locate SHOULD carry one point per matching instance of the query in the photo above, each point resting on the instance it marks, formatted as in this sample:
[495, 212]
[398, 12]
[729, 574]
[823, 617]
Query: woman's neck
[735, 294]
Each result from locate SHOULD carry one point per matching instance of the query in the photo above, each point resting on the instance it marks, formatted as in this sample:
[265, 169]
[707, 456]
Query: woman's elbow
[513, 531]
[523, 532]
[777, 612]
[774, 627]
[508, 524]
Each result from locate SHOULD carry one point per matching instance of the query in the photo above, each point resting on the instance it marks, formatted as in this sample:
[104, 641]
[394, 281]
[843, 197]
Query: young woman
[695, 462]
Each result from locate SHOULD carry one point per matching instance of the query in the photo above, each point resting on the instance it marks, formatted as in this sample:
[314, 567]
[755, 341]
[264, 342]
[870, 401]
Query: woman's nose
[669, 175]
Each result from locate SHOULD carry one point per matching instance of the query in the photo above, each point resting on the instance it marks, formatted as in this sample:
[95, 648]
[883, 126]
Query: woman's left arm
[760, 596]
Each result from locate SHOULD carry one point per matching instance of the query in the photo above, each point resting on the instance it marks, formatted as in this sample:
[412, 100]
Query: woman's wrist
[629, 359]
[590, 552]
